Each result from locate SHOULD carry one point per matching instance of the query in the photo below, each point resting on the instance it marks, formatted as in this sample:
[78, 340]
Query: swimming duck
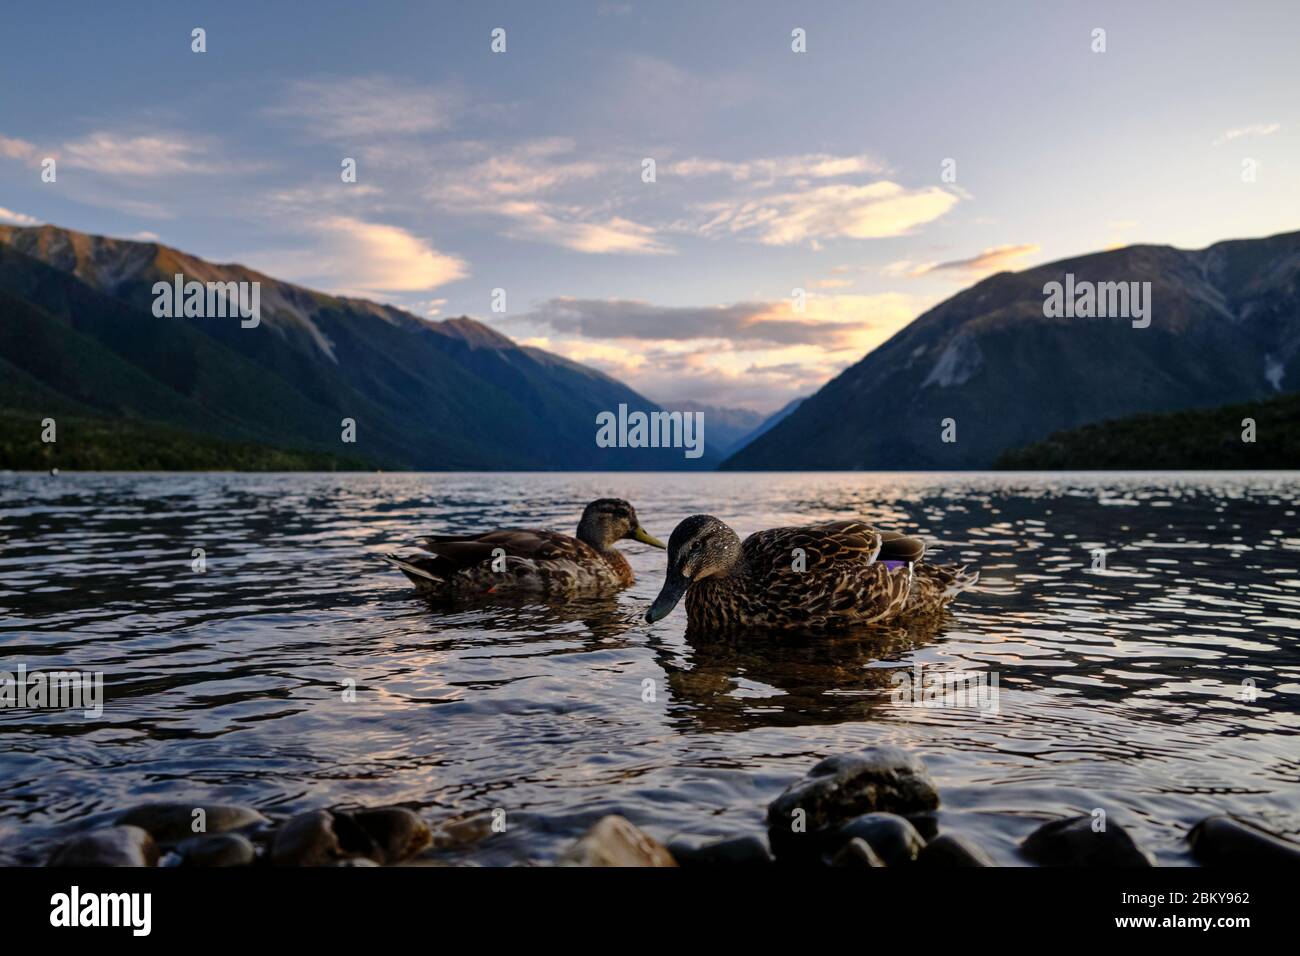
[531, 561]
[817, 577]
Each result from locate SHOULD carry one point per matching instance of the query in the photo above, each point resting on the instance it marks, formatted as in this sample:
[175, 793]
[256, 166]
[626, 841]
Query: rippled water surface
[1124, 688]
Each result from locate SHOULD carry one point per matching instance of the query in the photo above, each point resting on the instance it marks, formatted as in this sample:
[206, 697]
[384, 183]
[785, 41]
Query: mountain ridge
[1226, 328]
[437, 395]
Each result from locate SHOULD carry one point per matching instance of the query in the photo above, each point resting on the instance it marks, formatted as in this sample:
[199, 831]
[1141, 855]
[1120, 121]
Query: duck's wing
[458, 552]
[832, 569]
[896, 546]
[816, 547]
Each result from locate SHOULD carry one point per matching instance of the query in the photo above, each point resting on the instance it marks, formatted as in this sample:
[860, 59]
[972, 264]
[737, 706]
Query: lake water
[1124, 689]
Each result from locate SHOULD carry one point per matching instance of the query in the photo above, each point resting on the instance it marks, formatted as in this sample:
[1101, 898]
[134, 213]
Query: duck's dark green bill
[674, 587]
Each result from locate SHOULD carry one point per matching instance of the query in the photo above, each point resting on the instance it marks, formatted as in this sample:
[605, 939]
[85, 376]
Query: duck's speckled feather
[841, 582]
[546, 563]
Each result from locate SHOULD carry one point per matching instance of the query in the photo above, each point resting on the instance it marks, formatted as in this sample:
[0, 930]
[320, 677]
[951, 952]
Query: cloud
[996, 259]
[366, 107]
[810, 165]
[19, 149]
[535, 220]
[828, 321]
[17, 218]
[1258, 129]
[152, 154]
[835, 211]
[520, 185]
[352, 257]
[753, 322]
[755, 355]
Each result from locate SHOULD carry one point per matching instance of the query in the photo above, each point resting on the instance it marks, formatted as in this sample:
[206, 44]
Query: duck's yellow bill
[645, 537]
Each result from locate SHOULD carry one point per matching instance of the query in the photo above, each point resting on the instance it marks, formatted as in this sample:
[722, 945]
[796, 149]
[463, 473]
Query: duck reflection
[784, 679]
[592, 620]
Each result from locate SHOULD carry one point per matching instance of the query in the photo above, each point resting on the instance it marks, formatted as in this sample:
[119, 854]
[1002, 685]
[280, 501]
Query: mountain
[78, 337]
[767, 424]
[1224, 327]
[1197, 439]
[724, 428]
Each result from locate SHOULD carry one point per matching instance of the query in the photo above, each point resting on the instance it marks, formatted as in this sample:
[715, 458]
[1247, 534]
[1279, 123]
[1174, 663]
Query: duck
[529, 561]
[818, 577]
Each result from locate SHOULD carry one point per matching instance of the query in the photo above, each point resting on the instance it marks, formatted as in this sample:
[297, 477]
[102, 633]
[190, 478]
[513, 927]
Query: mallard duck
[531, 561]
[818, 577]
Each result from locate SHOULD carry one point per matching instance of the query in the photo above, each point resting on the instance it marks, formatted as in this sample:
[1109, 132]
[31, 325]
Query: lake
[1124, 683]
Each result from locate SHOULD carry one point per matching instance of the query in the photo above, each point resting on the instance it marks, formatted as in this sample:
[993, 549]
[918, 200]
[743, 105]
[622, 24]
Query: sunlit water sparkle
[1119, 689]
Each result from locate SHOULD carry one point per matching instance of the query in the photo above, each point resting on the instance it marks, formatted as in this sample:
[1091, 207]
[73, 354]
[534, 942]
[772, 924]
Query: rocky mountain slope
[78, 337]
[1224, 327]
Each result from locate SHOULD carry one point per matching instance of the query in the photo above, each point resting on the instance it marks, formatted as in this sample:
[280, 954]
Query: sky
[910, 150]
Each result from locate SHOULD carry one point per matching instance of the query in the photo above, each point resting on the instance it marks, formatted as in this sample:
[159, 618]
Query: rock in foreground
[613, 841]
[223, 849]
[881, 779]
[111, 846]
[857, 853]
[750, 850]
[1227, 841]
[890, 836]
[173, 822]
[307, 839]
[952, 850]
[1073, 842]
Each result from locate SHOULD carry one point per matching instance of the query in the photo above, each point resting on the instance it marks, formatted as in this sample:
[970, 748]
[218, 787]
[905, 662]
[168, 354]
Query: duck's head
[607, 520]
[700, 547]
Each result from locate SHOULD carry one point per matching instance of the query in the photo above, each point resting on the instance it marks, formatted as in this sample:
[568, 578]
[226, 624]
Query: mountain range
[990, 369]
[79, 338]
[984, 374]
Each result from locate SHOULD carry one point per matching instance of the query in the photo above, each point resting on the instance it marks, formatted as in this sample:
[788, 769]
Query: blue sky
[774, 170]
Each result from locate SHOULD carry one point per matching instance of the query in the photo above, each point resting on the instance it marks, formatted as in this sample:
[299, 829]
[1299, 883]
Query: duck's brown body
[529, 562]
[820, 577]
[523, 561]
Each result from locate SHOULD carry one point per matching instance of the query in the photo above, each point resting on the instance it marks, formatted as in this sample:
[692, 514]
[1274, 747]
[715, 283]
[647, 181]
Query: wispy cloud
[17, 218]
[748, 354]
[148, 154]
[124, 154]
[351, 257]
[810, 165]
[365, 107]
[996, 259]
[1258, 129]
[19, 149]
[754, 322]
[526, 185]
[836, 211]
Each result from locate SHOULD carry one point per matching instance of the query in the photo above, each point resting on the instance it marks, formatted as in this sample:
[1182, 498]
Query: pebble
[397, 833]
[1073, 842]
[111, 846]
[1224, 840]
[613, 841]
[174, 822]
[750, 850]
[223, 849]
[949, 849]
[307, 839]
[857, 852]
[881, 779]
[892, 837]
